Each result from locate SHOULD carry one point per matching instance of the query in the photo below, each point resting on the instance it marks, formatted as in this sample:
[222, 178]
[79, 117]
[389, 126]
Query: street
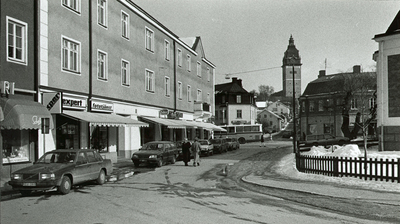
[209, 193]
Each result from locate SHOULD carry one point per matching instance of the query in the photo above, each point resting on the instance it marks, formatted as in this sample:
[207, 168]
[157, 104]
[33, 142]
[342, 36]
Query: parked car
[207, 149]
[233, 144]
[220, 145]
[62, 169]
[324, 140]
[156, 153]
[287, 134]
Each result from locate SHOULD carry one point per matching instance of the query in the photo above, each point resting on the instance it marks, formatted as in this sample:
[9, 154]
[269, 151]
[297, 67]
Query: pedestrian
[270, 135]
[196, 152]
[262, 140]
[186, 151]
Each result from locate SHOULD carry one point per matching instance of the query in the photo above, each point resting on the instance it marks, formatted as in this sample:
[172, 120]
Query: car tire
[242, 140]
[101, 179]
[65, 186]
[136, 164]
[25, 193]
[160, 162]
[173, 160]
[341, 142]
[315, 144]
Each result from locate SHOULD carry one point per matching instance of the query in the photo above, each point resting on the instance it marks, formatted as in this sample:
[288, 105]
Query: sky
[248, 38]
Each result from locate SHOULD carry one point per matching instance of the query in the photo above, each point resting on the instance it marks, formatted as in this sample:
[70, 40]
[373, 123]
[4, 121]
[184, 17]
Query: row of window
[222, 114]
[325, 105]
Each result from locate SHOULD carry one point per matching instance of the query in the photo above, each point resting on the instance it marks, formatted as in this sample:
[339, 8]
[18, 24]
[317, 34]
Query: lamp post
[293, 60]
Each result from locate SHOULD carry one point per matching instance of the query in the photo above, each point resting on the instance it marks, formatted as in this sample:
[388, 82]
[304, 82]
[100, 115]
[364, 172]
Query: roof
[231, 87]
[330, 83]
[394, 27]
[270, 112]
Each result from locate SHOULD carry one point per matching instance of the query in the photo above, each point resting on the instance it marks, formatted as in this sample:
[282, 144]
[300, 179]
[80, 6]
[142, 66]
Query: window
[167, 85]
[180, 90]
[167, 50]
[238, 99]
[179, 57]
[199, 97]
[303, 106]
[320, 105]
[149, 40]
[70, 55]
[189, 94]
[149, 79]
[125, 25]
[17, 41]
[102, 12]
[238, 113]
[189, 63]
[372, 102]
[125, 73]
[311, 106]
[102, 65]
[72, 4]
[353, 104]
[208, 74]
[198, 69]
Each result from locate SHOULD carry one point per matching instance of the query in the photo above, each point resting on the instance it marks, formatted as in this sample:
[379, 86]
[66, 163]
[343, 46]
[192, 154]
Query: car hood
[44, 168]
[147, 152]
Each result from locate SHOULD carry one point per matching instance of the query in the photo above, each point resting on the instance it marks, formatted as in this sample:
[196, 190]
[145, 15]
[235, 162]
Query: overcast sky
[248, 35]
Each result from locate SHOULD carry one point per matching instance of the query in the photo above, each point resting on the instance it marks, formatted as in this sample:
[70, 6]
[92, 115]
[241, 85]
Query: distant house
[329, 105]
[388, 91]
[234, 104]
[270, 120]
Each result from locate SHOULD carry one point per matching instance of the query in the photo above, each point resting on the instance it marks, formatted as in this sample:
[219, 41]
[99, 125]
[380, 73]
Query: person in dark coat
[186, 151]
[262, 140]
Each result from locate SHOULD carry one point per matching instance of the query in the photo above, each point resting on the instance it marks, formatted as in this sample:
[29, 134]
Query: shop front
[22, 120]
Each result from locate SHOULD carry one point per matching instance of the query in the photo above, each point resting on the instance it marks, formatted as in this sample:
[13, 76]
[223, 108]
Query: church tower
[291, 58]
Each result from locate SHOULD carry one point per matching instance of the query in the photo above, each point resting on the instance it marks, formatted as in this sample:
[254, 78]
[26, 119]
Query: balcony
[202, 109]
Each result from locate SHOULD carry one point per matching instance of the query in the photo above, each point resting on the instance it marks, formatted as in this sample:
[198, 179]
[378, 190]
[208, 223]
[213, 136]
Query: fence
[370, 168]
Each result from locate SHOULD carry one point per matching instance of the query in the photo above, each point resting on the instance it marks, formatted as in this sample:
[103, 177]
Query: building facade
[270, 120]
[234, 105]
[388, 93]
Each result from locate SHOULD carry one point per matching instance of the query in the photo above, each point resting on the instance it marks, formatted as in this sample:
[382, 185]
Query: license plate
[29, 184]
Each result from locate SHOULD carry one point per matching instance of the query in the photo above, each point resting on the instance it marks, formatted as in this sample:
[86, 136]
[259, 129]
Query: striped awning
[170, 123]
[98, 119]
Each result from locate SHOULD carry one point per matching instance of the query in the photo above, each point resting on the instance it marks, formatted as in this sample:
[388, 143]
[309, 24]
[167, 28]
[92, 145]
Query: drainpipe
[90, 69]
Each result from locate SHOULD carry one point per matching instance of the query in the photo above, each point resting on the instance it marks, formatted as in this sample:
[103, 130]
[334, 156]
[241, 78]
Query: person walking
[262, 140]
[186, 151]
[196, 152]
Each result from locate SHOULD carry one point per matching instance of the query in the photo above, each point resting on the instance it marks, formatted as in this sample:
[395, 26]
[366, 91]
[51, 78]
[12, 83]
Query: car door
[80, 173]
[94, 165]
[167, 151]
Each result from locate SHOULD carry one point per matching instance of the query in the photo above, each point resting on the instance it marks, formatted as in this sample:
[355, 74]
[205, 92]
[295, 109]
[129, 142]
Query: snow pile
[351, 150]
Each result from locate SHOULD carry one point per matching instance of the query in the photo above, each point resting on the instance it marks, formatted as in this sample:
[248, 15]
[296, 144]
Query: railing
[370, 168]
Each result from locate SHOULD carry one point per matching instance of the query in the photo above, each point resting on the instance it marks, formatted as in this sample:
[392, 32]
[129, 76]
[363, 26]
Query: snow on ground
[287, 167]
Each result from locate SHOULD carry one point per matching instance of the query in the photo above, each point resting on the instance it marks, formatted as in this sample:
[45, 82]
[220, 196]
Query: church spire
[291, 53]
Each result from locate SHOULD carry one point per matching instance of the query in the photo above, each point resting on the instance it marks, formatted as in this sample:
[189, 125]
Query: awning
[98, 119]
[209, 126]
[170, 123]
[23, 114]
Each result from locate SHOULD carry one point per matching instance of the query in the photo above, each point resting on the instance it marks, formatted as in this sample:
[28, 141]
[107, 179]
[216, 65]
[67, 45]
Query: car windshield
[216, 141]
[203, 142]
[57, 157]
[152, 146]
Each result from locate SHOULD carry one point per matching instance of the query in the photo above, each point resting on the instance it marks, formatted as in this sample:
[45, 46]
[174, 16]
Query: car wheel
[242, 140]
[25, 193]
[136, 164]
[173, 160]
[160, 162]
[315, 144]
[65, 186]
[341, 142]
[102, 178]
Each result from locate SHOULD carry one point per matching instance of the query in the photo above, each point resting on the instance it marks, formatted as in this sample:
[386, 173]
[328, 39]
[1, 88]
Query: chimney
[356, 69]
[321, 73]
[238, 81]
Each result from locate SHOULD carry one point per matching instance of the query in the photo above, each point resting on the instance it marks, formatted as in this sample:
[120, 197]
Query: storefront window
[67, 133]
[99, 138]
[15, 146]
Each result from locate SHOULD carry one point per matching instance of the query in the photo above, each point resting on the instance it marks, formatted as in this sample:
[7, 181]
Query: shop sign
[73, 103]
[52, 101]
[7, 87]
[102, 106]
[164, 112]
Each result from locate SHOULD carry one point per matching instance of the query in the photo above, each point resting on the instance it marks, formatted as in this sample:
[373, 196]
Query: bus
[243, 132]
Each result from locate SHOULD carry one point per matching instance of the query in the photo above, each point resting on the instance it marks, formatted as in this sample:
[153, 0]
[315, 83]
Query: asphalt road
[209, 193]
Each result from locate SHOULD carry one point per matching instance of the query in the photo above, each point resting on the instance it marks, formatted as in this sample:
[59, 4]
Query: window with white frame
[188, 63]
[238, 98]
[198, 69]
[180, 90]
[72, 4]
[70, 55]
[208, 74]
[17, 44]
[167, 85]
[179, 57]
[189, 93]
[102, 12]
[102, 72]
[238, 113]
[167, 50]
[353, 104]
[199, 97]
[149, 40]
[149, 79]
[125, 25]
[371, 102]
[125, 73]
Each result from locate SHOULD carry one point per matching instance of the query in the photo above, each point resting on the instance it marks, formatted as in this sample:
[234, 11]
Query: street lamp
[292, 61]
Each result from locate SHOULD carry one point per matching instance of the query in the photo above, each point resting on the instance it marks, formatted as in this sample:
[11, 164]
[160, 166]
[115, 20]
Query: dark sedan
[156, 153]
[220, 145]
[61, 169]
